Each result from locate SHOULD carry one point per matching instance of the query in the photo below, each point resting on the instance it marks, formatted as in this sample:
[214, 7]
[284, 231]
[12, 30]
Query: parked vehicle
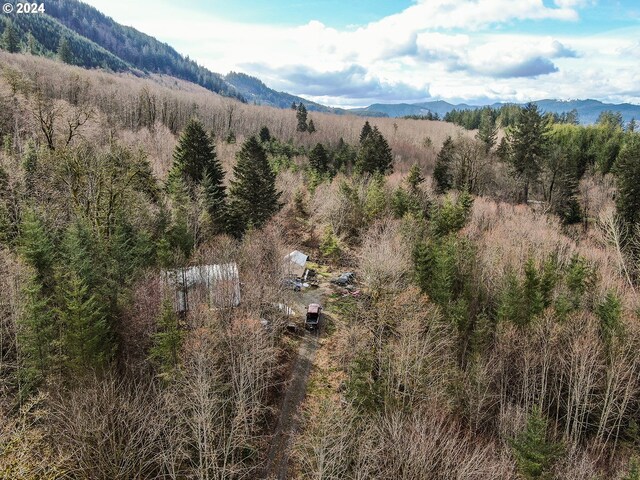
[312, 321]
[344, 279]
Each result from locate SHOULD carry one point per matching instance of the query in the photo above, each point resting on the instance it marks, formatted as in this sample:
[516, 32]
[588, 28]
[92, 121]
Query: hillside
[588, 110]
[255, 91]
[482, 328]
[96, 40]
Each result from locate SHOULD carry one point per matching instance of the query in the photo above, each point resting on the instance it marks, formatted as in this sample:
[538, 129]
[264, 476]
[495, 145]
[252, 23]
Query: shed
[212, 285]
[295, 264]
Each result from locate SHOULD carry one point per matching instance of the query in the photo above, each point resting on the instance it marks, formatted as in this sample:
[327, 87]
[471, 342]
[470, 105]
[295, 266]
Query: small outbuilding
[295, 264]
[216, 286]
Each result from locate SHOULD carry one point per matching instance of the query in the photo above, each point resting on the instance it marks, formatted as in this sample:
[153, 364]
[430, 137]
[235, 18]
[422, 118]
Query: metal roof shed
[295, 264]
[211, 285]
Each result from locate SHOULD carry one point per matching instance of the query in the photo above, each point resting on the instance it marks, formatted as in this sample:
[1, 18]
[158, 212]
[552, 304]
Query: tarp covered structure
[215, 286]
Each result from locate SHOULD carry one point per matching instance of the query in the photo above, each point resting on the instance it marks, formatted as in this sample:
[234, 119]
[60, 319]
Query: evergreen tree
[414, 178]
[294, 106]
[194, 157]
[487, 131]
[528, 145]
[311, 128]
[365, 132]
[609, 312]
[265, 135]
[87, 342]
[301, 115]
[37, 337]
[319, 159]
[167, 341]
[503, 149]
[10, 38]
[376, 200]
[32, 44]
[535, 454]
[442, 171]
[344, 156]
[329, 245]
[37, 248]
[215, 197]
[253, 197]
[179, 235]
[375, 154]
[627, 171]
[64, 51]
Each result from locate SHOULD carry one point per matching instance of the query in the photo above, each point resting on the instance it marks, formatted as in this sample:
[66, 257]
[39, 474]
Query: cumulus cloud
[531, 67]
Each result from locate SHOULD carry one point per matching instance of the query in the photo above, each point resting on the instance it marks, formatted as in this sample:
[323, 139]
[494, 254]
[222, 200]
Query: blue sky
[357, 52]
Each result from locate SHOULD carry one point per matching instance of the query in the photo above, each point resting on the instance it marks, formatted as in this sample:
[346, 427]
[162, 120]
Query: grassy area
[321, 270]
[344, 306]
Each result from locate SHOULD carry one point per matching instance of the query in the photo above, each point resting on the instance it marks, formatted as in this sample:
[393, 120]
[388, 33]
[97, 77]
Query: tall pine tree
[487, 131]
[64, 51]
[87, 340]
[195, 164]
[253, 197]
[10, 37]
[37, 248]
[442, 173]
[38, 338]
[375, 154]
[365, 132]
[319, 159]
[301, 116]
[528, 146]
[195, 156]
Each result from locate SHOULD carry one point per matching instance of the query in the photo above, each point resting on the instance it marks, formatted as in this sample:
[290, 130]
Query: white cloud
[452, 49]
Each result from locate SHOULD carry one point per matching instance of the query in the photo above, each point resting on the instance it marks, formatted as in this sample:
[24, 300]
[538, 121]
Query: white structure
[215, 286]
[294, 264]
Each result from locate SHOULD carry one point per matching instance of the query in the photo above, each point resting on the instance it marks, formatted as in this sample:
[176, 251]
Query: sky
[353, 53]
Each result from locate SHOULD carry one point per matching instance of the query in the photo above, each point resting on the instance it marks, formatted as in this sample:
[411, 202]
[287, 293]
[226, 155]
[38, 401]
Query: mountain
[255, 91]
[588, 110]
[96, 40]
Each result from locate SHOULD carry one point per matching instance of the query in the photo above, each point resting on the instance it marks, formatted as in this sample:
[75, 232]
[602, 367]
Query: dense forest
[493, 334]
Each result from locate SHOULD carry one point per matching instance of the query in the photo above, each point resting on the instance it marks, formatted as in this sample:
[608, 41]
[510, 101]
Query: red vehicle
[313, 316]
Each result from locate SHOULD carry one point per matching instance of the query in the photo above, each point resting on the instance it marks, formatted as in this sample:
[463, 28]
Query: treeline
[505, 116]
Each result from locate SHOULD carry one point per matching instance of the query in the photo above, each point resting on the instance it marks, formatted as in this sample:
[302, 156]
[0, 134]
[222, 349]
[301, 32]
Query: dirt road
[289, 420]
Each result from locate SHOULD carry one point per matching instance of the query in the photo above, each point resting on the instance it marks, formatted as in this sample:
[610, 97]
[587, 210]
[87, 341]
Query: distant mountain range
[97, 41]
[588, 110]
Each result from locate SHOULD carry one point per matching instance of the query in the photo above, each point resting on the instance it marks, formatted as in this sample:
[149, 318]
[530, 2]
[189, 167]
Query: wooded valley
[495, 332]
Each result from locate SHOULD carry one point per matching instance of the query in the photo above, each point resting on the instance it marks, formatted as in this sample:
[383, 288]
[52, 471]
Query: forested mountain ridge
[588, 110]
[94, 40]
